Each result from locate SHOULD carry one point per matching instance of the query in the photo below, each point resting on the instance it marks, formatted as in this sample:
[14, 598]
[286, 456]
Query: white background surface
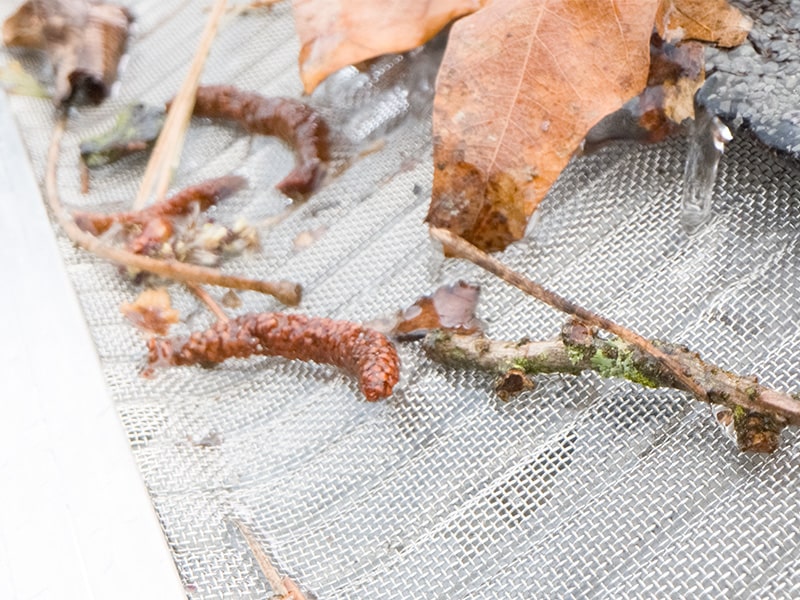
[75, 518]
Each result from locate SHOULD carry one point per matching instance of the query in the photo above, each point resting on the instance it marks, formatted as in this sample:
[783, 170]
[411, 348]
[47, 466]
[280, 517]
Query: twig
[166, 153]
[759, 412]
[286, 291]
[280, 585]
[206, 299]
[461, 248]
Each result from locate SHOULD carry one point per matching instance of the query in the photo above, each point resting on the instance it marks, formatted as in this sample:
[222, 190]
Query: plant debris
[293, 121]
[136, 128]
[231, 299]
[283, 588]
[176, 229]
[151, 311]
[757, 414]
[305, 239]
[522, 83]
[461, 248]
[210, 440]
[357, 350]
[84, 40]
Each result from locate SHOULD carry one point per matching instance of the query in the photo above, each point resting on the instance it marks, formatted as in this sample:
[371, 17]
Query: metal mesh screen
[581, 488]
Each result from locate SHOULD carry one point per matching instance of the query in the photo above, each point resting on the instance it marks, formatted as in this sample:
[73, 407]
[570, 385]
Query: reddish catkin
[362, 352]
[204, 194]
[289, 119]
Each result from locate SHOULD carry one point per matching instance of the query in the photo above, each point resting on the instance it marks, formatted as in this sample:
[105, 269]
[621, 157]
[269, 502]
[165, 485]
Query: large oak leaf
[521, 83]
[337, 33]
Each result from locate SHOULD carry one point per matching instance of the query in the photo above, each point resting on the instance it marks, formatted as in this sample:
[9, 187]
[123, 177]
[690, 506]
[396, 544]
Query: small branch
[286, 291]
[166, 153]
[463, 249]
[759, 412]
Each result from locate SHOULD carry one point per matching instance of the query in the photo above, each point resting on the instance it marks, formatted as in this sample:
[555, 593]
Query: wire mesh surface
[582, 487]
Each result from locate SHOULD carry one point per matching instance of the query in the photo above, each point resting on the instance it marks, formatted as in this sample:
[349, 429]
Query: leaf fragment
[136, 128]
[337, 33]
[450, 307]
[713, 21]
[151, 311]
[521, 83]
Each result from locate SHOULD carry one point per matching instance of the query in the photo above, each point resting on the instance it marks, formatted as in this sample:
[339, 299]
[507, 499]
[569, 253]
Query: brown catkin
[289, 119]
[360, 351]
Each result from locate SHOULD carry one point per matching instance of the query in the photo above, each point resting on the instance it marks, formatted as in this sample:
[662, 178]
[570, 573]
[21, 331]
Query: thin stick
[167, 151]
[206, 299]
[273, 577]
[286, 291]
[463, 249]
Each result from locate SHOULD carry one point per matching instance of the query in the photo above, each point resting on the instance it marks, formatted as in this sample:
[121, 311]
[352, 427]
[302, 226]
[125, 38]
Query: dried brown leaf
[713, 21]
[521, 83]
[151, 311]
[451, 307]
[337, 33]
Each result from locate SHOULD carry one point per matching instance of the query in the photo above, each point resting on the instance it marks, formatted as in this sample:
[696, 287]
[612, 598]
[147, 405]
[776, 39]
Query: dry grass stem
[282, 587]
[167, 151]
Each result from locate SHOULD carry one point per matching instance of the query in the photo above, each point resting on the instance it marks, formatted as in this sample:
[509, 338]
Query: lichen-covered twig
[357, 350]
[759, 413]
[458, 246]
[286, 291]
